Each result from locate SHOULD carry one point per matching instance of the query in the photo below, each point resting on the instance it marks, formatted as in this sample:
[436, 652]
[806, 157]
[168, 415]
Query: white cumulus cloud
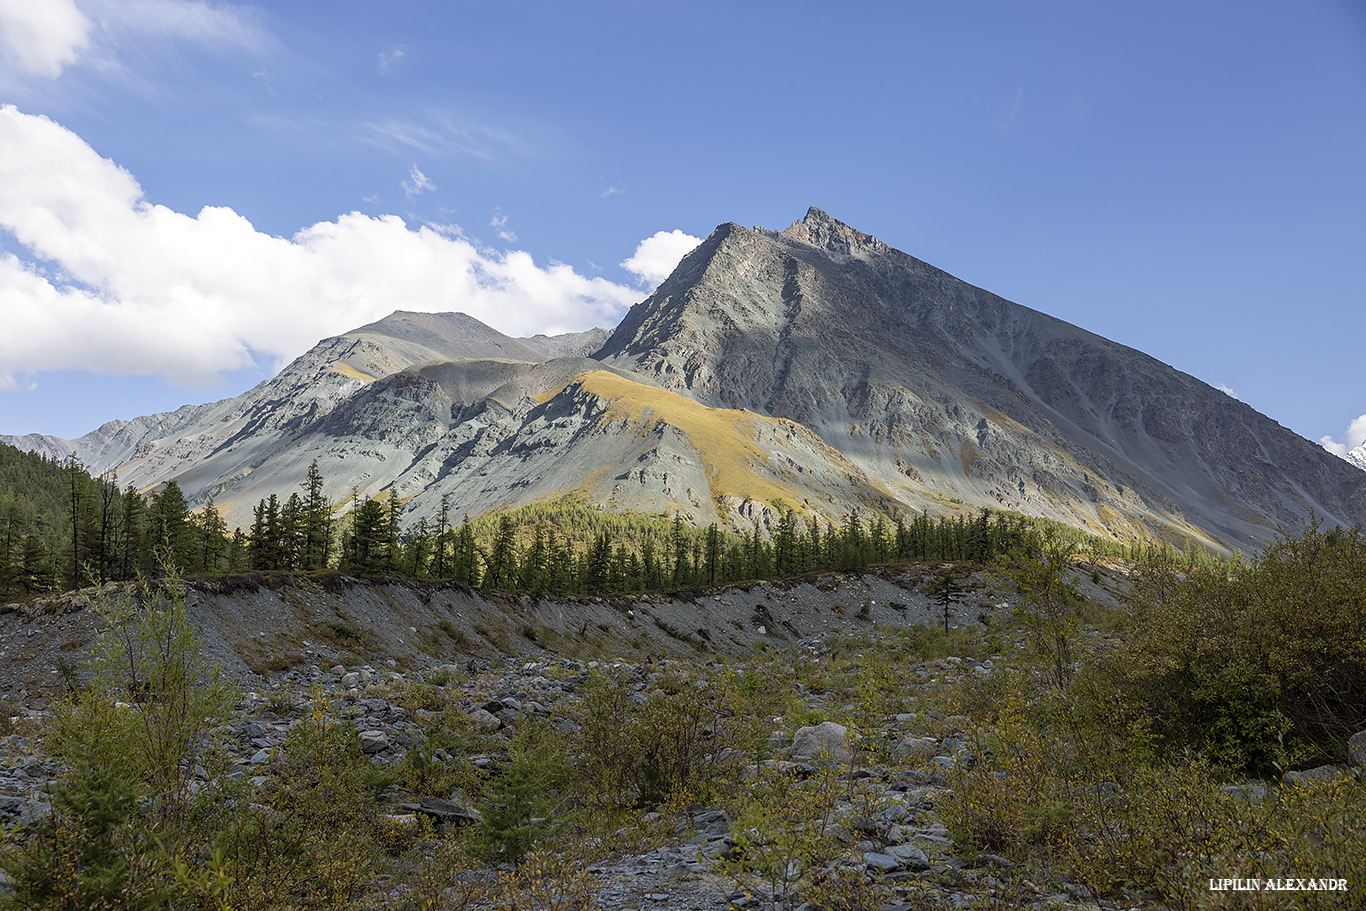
[112, 283]
[656, 256]
[42, 37]
[1356, 436]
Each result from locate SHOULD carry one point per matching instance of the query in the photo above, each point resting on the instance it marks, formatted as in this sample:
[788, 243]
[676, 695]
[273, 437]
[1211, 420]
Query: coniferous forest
[61, 528]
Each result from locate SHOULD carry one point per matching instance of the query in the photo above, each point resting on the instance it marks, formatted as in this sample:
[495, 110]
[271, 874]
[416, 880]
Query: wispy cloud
[443, 134]
[499, 223]
[1226, 390]
[613, 190]
[99, 278]
[417, 183]
[1012, 112]
[1356, 436]
[263, 77]
[388, 59]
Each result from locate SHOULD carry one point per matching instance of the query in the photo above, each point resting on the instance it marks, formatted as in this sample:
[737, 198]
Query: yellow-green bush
[1085, 804]
[784, 828]
[645, 750]
[124, 816]
[1261, 666]
[311, 839]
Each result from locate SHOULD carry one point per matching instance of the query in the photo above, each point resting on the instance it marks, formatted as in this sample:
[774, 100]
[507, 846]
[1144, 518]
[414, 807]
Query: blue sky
[192, 193]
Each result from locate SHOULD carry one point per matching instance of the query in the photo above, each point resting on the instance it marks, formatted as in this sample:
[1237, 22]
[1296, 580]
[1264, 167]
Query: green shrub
[124, 816]
[687, 737]
[1072, 799]
[309, 839]
[784, 830]
[1261, 666]
[513, 816]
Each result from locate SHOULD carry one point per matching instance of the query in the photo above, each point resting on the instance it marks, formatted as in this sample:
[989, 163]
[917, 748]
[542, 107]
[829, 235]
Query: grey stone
[372, 742]
[1356, 750]
[916, 749]
[895, 813]
[1252, 793]
[882, 863]
[484, 720]
[1317, 775]
[826, 740]
[444, 813]
[712, 822]
[909, 856]
[260, 757]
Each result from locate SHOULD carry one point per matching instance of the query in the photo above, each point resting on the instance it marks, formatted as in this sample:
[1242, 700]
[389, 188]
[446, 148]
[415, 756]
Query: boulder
[1356, 750]
[916, 750]
[372, 742]
[484, 720]
[909, 857]
[1323, 773]
[1250, 793]
[445, 815]
[826, 740]
[880, 863]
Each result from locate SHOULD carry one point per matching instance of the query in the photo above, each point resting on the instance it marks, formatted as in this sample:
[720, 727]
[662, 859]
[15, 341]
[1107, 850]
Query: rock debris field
[496, 665]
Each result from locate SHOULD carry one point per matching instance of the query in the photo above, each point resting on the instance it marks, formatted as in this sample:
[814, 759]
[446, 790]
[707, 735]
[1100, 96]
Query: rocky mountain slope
[939, 390]
[814, 368]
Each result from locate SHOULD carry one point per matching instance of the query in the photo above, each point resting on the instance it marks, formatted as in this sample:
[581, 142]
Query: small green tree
[123, 811]
[1037, 576]
[945, 592]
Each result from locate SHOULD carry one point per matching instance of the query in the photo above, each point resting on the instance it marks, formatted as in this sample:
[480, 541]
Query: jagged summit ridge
[833, 236]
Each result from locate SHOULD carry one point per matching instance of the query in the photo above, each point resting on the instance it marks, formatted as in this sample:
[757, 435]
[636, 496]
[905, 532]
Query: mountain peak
[820, 229]
[1357, 456]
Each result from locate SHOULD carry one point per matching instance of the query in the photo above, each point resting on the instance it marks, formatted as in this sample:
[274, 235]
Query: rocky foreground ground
[890, 833]
[886, 759]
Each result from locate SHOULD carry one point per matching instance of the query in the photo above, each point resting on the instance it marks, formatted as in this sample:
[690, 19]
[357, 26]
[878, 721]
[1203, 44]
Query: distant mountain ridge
[815, 368]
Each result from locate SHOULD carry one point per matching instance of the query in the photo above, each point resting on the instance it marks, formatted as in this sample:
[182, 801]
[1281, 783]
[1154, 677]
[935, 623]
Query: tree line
[61, 528]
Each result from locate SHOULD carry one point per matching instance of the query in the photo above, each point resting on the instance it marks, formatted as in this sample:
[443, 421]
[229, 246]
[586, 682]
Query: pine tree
[168, 530]
[316, 545]
[501, 571]
[213, 538]
[712, 553]
[443, 519]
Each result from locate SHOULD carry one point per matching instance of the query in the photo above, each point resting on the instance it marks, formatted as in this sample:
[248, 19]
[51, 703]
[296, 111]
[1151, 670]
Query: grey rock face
[932, 386]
